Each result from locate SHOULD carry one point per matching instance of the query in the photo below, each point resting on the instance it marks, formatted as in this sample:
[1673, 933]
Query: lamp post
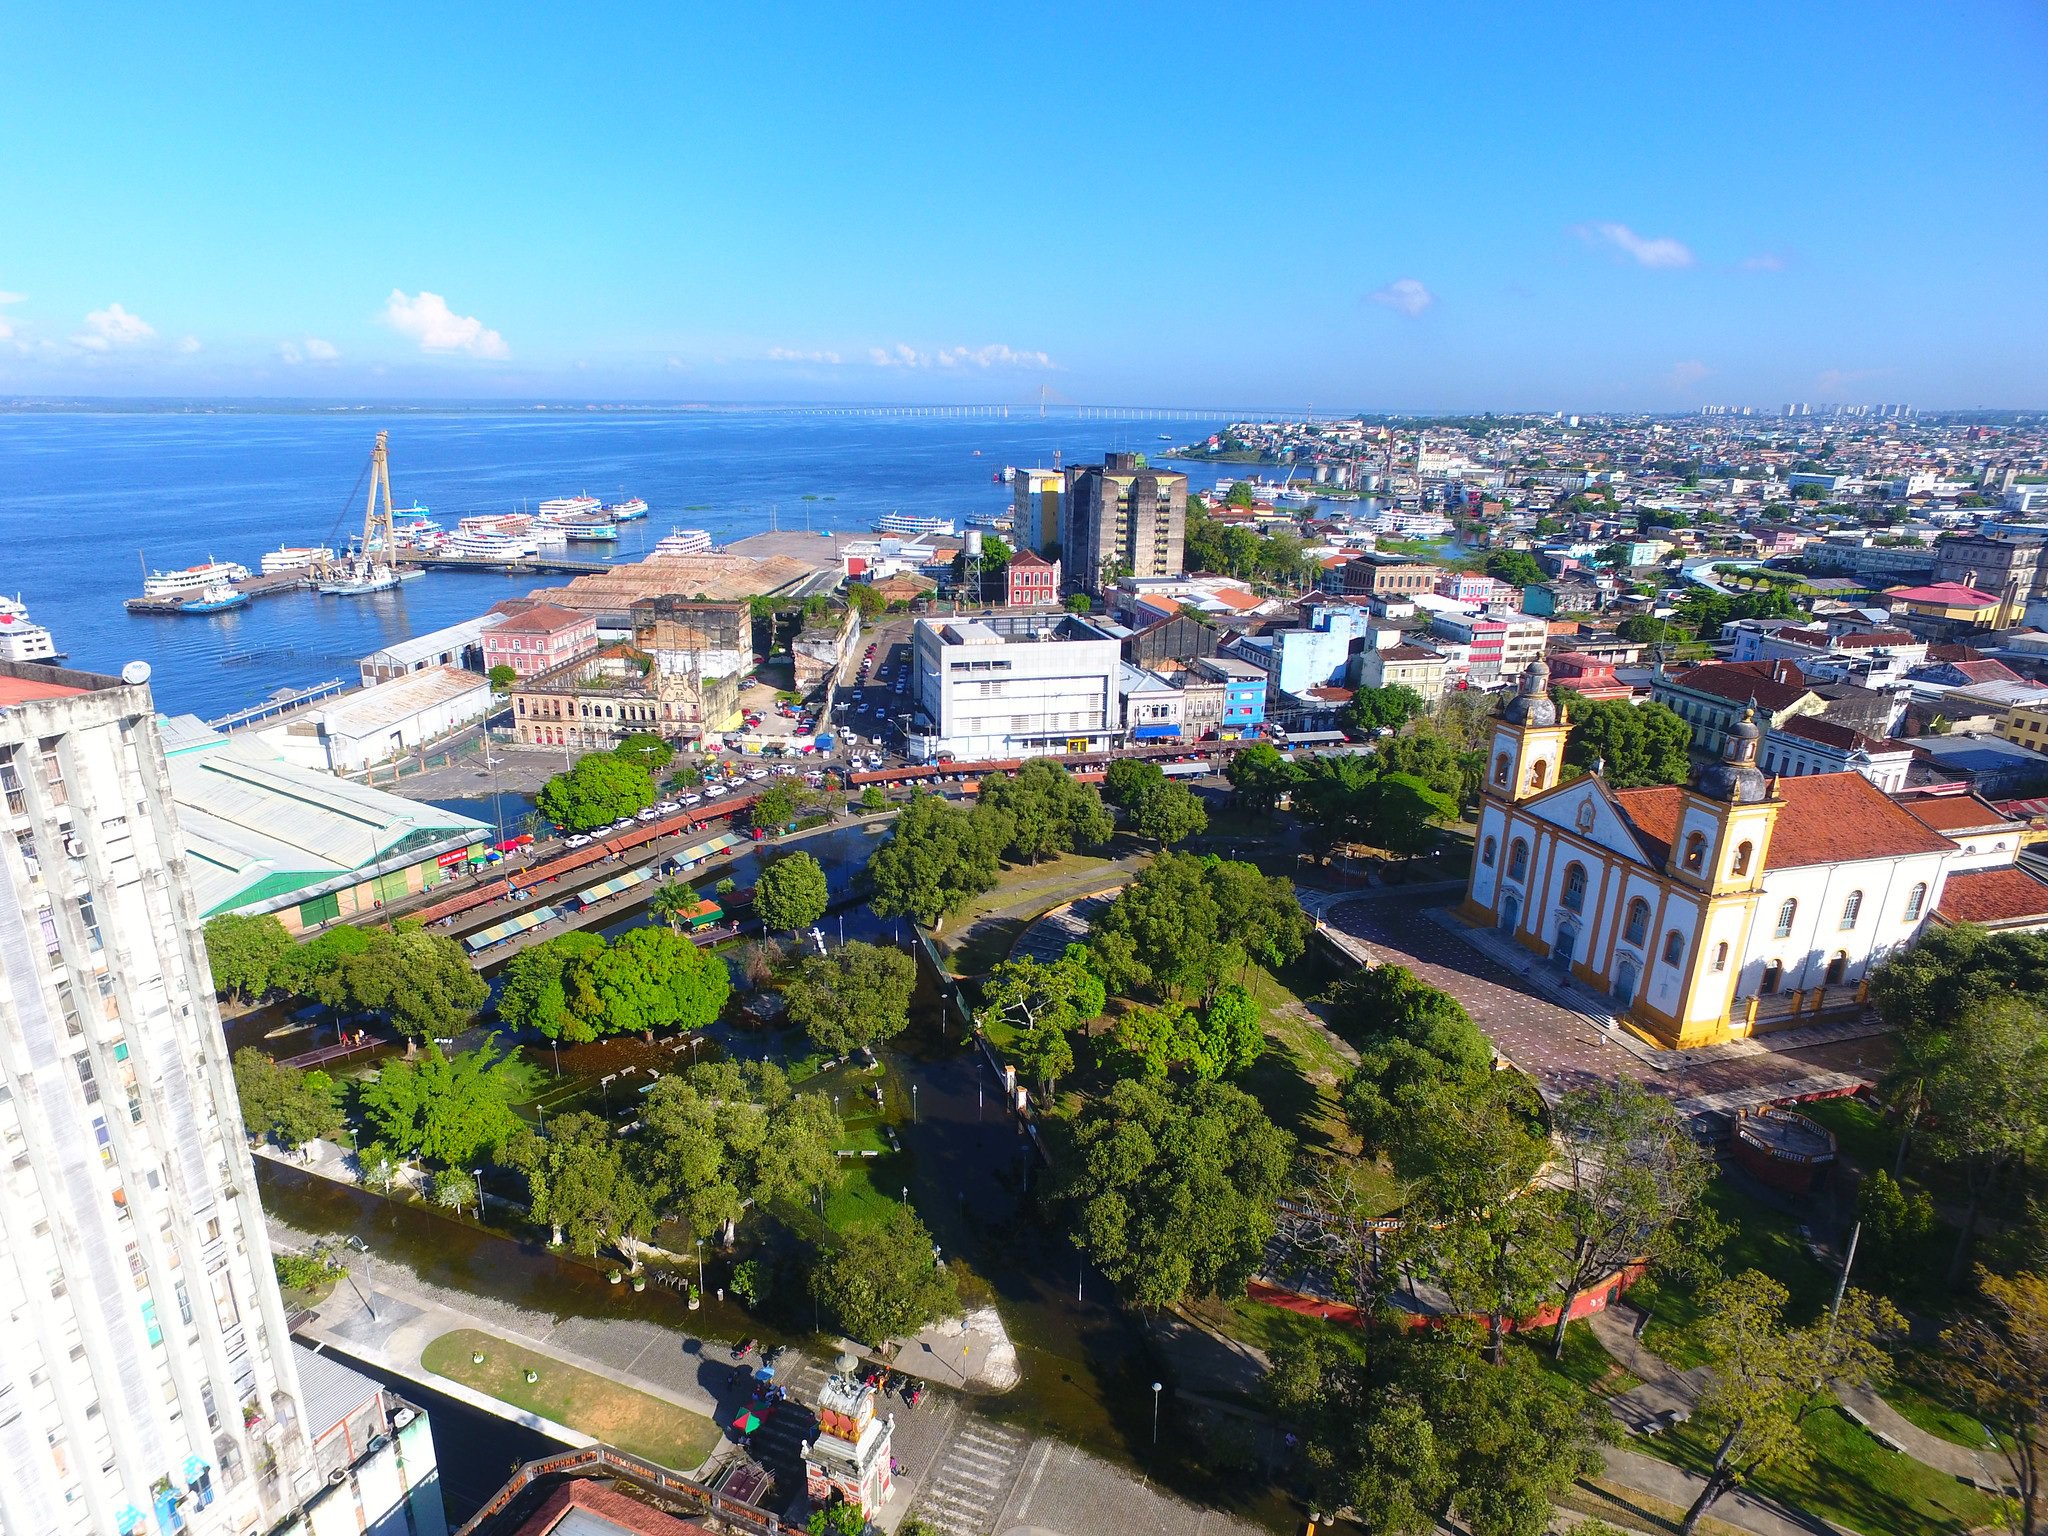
[557, 1044]
[605, 1084]
[478, 1175]
[700, 1265]
[906, 1194]
[1157, 1388]
[913, 1103]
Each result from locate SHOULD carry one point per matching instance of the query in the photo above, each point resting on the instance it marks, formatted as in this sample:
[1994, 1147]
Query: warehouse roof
[259, 831]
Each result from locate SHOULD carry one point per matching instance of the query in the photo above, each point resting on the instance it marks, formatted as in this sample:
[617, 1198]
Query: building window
[1774, 973]
[1915, 900]
[1575, 888]
[1721, 956]
[1696, 852]
[1743, 854]
[1486, 852]
[1501, 769]
[1838, 968]
[1518, 859]
[1785, 915]
[1638, 921]
[1674, 947]
[1537, 774]
[1850, 909]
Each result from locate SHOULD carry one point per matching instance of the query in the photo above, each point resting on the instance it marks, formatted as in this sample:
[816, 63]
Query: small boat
[1166, 437]
[214, 597]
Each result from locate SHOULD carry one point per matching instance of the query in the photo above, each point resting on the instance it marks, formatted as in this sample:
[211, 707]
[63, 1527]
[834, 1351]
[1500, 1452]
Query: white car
[578, 841]
[667, 807]
[693, 799]
[650, 814]
[758, 774]
[713, 791]
[623, 821]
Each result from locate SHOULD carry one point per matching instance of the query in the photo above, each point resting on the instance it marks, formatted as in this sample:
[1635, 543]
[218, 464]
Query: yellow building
[2027, 726]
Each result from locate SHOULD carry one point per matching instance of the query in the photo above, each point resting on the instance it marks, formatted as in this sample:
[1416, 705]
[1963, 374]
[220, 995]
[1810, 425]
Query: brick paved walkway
[1563, 1049]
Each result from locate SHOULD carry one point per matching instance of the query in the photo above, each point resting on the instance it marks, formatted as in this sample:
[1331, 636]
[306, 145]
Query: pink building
[1034, 580]
[539, 639]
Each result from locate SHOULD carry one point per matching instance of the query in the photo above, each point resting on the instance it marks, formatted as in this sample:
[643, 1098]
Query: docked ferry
[192, 579]
[559, 507]
[587, 530]
[912, 524]
[632, 509]
[22, 638]
[295, 557]
[684, 541]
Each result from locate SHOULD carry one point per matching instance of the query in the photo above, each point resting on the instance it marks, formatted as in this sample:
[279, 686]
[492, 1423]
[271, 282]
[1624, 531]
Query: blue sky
[1416, 206]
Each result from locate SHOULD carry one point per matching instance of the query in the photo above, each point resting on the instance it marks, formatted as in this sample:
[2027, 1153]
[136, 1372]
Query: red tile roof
[1829, 818]
[19, 690]
[544, 618]
[1946, 594]
[1994, 896]
[1984, 671]
[1652, 814]
[1831, 733]
[1775, 685]
[1238, 598]
[1955, 813]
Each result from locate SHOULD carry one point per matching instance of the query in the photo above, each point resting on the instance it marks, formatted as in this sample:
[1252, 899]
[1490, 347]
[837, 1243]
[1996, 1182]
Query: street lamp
[605, 1084]
[700, 1266]
[1157, 1388]
[913, 1103]
[906, 1194]
[478, 1175]
[557, 1044]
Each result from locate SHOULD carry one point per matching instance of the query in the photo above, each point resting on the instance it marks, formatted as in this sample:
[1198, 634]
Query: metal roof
[419, 648]
[333, 1390]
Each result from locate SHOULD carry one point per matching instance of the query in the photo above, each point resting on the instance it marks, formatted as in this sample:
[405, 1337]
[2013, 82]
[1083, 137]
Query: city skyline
[1469, 208]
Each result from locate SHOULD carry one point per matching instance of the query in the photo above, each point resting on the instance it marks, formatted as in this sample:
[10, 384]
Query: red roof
[1775, 685]
[1946, 594]
[19, 690]
[1829, 818]
[1830, 733]
[1027, 557]
[1984, 671]
[1956, 813]
[1995, 896]
[543, 618]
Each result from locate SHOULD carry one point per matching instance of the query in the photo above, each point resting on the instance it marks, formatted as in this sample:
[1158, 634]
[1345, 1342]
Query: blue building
[1244, 689]
[1318, 655]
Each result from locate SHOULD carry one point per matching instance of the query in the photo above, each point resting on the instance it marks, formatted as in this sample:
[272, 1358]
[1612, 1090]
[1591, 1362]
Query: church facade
[1699, 911]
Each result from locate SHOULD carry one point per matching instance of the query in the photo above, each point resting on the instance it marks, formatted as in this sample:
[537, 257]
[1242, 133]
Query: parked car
[623, 821]
[578, 840]
[693, 799]
[650, 814]
[667, 807]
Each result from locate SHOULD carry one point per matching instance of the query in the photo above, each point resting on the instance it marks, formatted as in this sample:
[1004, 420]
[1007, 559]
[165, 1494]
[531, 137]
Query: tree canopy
[939, 857]
[883, 1280]
[1516, 567]
[1049, 810]
[647, 749]
[285, 1104]
[1186, 923]
[1412, 1038]
[579, 1184]
[452, 1110]
[1172, 1187]
[1378, 709]
[1260, 775]
[246, 954]
[1637, 744]
[1153, 805]
[724, 1133]
[791, 893]
[602, 787]
[577, 987]
[852, 996]
[422, 982]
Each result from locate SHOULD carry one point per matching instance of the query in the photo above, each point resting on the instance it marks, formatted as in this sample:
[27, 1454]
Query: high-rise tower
[146, 1376]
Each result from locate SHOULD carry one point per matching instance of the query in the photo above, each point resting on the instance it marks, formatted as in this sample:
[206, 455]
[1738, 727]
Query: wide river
[87, 500]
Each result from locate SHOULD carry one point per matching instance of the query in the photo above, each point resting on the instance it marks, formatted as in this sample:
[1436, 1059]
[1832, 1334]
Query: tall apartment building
[146, 1375]
[1035, 497]
[1119, 519]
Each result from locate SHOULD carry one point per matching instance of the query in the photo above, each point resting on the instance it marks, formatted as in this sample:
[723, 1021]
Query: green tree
[1257, 915]
[1412, 1038]
[837, 1519]
[318, 967]
[600, 789]
[1028, 994]
[503, 679]
[1161, 931]
[1044, 1054]
[1153, 805]
[580, 1187]
[884, 1281]
[1233, 1030]
[1376, 709]
[1172, 1188]
[1240, 494]
[285, 1104]
[421, 981]
[1402, 812]
[1431, 755]
[852, 996]
[1637, 744]
[454, 1188]
[1050, 810]
[645, 979]
[938, 858]
[1996, 1360]
[1080, 602]
[1516, 567]
[646, 749]
[674, 903]
[1986, 1092]
[872, 798]
[866, 600]
[1259, 776]
[791, 893]
[1642, 629]
[533, 990]
[246, 954]
[452, 1110]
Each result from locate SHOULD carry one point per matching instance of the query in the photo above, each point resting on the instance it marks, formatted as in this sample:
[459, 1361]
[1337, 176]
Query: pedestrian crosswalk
[972, 1478]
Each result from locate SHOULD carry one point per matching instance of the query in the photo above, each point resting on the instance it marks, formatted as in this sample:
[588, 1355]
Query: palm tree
[672, 903]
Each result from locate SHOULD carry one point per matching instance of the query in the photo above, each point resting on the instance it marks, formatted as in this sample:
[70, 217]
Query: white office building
[1019, 685]
[146, 1376]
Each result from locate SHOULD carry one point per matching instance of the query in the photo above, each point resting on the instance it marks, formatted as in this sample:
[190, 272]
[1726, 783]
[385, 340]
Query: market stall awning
[497, 933]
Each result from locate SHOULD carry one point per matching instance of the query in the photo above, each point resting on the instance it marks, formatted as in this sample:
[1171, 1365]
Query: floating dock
[539, 565]
[251, 587]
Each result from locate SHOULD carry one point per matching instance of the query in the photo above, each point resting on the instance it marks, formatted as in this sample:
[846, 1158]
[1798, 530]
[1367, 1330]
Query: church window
[1537, 774]
[1915, 900]
[1695, 852]
[1850, 909]
[1774, 973]
[1674, 947]
[1743, 853]
[1721, 956]
[1838, 968]
[1785, 915]
[1487, 852]
[1575, 888]
[1638, 921]
[1518, 860]
[1501, 769]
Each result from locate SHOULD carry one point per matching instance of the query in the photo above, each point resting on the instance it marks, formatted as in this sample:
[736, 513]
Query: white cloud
[993, 356]
[1764, 261]
[191, 344]
[7, 330]
[1688, 373]
[319, 351]
[437, 328]
[1645, 250]
[1407, 294]
[106, 329]
[792, 355]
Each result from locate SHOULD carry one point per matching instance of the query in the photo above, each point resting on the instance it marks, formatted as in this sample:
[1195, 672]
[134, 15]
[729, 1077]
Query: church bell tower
[1527, 752]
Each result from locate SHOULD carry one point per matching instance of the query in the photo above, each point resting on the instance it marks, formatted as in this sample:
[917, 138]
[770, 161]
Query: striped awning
[497, 933]
[612, 887]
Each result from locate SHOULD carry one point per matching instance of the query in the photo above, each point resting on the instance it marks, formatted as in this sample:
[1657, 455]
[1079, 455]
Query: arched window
[1850, 909]
[1743, 853]
[1674, 947]
[1721, 956]
[1785, 915]
[1838, 968]
[1501, 768]
[1774, 973]
[1915, 900]
[1487, 851]
[1695, 852]
[1575, 887]
[1638, 921]
[1537, 773]
[1518, 859]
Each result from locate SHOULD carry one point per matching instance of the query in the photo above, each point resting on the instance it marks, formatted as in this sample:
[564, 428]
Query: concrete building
[595, 703]
[1151, 708]
[1032, 581]
[539, 638]
[459, 645]
[146, 1374]
[1378, 575]
[1317, 654]
[1501, 643]
[1019, 685]
[359, 731]
[1244, 691]
[823, 646]
[1808, 744]
[1873, 658]
[1119, 519]
[691, 638]
[1202, 705]
[1993, 768]
[2006, 567]
[1948, 610]
[262, 835]
[1035, 499]
[1712, 698]
[377, 1473]
[1408, 666]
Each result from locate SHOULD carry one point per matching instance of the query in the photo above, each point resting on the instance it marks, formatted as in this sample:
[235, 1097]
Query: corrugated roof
[377, 708]
[333, 1390]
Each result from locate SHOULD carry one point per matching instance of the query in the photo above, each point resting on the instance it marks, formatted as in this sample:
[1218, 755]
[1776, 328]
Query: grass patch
[622, 1416]
[1586, 1363]
[1908, 1393]
[1270, 1328]
[1633, 1511]
[1859, 1130]
[871, 1188]
[1761, 1238]
[1853, 1480]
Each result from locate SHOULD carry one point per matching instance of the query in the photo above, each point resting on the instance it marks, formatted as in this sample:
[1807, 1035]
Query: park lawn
[1601, 1499]
[1269, 1327]
[623, 1416]
[1761, 1238]
[1586, 1362]
[980, 934]
[871, 1188]
[1852, 1480]
[1860, 1132]
[1917, 1404]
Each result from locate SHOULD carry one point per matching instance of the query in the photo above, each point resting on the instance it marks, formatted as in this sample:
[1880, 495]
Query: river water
[87, 500]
